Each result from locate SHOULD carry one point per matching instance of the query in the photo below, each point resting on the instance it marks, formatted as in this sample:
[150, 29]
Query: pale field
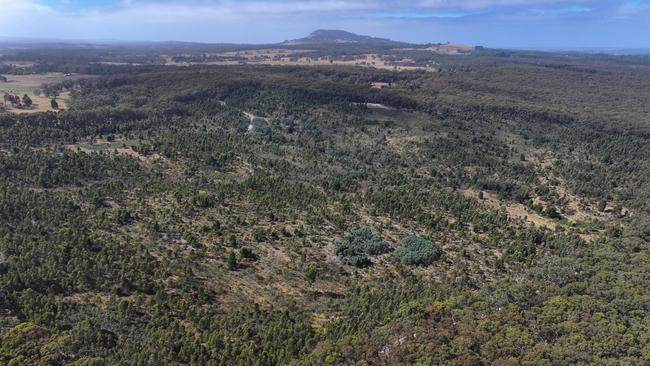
[271, 52]
[19, 63]
[514, 210]
[444, 49]
[41, 104]
[25, 84]
[285, 57]
[379, 85]
[520, 212]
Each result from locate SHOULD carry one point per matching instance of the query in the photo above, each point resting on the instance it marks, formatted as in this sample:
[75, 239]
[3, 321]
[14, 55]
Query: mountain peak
[335, 36]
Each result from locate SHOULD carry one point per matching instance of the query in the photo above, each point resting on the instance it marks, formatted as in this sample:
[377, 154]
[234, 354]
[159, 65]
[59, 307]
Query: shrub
[358, 244]
[359, 260]
[247, 253]
[365, 241]
[232, 261]
[204, 199]
[311, 272]
[123, 216]
[416, 250]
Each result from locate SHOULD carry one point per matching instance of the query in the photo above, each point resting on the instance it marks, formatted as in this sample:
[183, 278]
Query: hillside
[494, 212]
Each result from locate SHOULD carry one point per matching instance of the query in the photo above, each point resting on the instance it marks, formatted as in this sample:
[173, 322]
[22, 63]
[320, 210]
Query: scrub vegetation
[496, 212]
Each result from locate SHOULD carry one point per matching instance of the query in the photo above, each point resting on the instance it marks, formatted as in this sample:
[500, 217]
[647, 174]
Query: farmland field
[27, 84]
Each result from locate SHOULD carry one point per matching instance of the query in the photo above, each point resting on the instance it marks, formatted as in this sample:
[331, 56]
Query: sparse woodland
[497, 213]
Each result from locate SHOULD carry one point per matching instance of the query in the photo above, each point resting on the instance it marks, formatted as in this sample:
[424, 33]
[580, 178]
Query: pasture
[26, 84]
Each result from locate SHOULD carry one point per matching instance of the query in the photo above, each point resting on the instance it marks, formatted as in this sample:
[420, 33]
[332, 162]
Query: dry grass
[263, 53]
[26, 84]
[522, 213]
[103, 145]
[445, 49]
[514, 210]
[374, 106]
[41, 104]
[282, 57]
[379, 85]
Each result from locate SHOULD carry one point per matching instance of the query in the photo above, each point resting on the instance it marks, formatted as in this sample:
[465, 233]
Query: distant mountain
[328, 36]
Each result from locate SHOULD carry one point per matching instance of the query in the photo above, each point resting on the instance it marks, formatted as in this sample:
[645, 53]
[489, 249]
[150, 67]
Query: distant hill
[327, 36]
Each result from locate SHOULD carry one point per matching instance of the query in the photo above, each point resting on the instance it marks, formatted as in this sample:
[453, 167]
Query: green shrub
[123, 216]
[232, 261]
[358, 244]
[247, 253]
[416, 250]
[90, 361]
[365, 241]
[311, 272]
[359, 260]
[204, 199]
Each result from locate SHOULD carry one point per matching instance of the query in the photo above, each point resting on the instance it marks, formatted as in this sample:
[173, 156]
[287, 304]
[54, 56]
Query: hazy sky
[492, 23]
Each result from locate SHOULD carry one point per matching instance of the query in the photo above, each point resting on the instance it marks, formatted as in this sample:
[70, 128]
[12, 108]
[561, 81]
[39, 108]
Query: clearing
[26, 84]
[285, 57]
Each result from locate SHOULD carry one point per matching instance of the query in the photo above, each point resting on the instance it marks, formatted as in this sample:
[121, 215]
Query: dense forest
[494, 213]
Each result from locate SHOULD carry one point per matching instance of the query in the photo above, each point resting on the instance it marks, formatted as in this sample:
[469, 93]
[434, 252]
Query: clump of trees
[417, 251]
[51, 90]
[27, 101]
[15, 101]
[355, 247]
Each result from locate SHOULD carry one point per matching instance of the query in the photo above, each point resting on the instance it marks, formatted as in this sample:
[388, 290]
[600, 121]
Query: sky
[542, 24]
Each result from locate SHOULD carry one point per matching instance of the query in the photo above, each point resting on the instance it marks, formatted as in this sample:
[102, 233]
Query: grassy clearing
[41, 104]
[283, 57]
[26, 84]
